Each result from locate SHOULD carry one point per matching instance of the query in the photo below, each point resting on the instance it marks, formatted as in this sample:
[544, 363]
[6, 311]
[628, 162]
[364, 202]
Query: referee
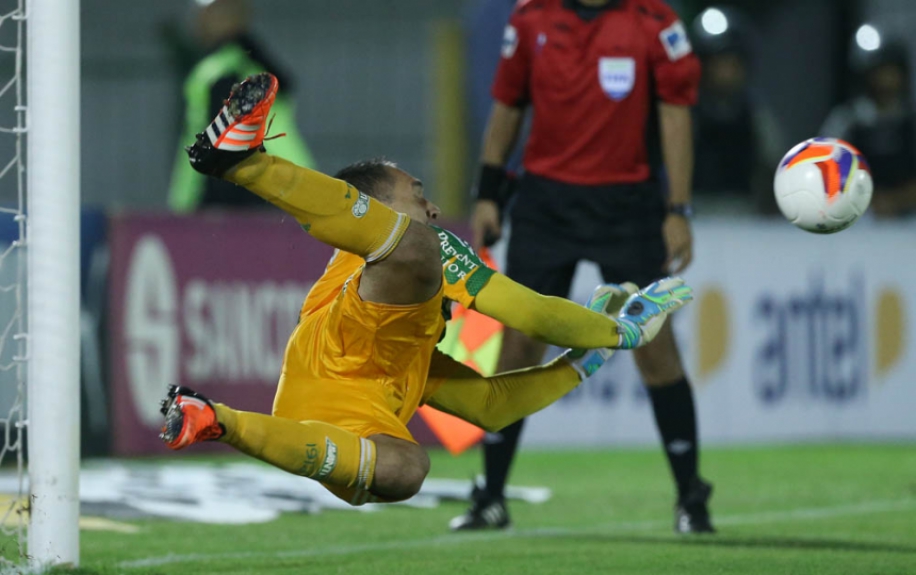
[594, 72]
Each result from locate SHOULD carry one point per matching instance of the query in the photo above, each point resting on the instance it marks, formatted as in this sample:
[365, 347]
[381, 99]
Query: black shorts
[555, 225]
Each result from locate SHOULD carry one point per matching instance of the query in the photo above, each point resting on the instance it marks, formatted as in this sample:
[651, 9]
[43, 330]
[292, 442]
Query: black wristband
[490, 183]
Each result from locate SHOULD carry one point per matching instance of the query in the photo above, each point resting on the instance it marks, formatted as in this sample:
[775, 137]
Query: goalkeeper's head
[386, 182]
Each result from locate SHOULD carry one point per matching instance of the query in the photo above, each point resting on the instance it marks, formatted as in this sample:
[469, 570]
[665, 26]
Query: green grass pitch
[831, 510]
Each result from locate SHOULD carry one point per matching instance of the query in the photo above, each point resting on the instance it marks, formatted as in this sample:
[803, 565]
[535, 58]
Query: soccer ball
[823, 185]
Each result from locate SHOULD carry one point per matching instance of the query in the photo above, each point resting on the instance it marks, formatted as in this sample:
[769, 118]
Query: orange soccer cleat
[189, 418]
[238, 131]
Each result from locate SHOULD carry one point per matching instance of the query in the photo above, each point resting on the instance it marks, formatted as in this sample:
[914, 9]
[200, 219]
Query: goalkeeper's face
[407, 197]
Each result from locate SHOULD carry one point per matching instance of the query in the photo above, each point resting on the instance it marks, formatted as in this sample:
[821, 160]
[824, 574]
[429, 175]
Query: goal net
[13, 343]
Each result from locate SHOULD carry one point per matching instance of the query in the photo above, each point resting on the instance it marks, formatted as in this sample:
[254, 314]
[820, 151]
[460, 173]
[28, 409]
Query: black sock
[498, 453]
[675, 416]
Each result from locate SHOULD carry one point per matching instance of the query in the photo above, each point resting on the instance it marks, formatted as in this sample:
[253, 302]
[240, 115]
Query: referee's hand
[486, 228]
[678, 242]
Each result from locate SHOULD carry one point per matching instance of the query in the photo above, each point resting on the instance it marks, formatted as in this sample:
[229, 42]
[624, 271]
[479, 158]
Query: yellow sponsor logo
[890, 331]
[713, 331]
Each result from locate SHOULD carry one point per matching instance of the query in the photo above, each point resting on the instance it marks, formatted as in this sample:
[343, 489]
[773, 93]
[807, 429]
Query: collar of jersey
[589, 13]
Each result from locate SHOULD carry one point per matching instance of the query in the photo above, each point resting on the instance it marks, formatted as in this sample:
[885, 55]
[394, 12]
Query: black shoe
[485, 513]
[239, 130]
[691, 514]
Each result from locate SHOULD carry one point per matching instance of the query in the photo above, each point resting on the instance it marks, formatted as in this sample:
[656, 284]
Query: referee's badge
[617, 77]
[675, 41]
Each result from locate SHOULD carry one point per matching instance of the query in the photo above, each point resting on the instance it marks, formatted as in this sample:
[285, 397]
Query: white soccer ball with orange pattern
[823, 185]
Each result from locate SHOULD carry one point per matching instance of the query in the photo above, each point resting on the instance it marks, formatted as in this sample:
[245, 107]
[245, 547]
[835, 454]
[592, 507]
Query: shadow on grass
[781, 543]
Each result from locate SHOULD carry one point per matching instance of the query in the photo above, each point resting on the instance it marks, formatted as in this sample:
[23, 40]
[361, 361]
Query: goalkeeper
[362, 358]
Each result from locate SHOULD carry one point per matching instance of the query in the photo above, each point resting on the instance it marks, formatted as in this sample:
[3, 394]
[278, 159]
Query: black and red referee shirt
[592, 83]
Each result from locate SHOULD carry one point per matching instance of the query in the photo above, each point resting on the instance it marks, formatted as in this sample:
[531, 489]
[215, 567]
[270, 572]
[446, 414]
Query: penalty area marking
[786, 516]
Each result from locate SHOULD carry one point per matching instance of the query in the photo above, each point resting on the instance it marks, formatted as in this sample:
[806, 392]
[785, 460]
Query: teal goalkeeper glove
[645, 311]
[607, 299]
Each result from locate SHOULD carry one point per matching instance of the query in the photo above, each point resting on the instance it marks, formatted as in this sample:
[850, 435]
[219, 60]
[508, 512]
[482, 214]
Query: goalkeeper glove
[645, 311]
[607, 299]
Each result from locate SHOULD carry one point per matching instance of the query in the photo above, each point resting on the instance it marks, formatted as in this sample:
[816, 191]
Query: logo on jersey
[617, 77]
[361, 206]
[674, 39]
[510, 41]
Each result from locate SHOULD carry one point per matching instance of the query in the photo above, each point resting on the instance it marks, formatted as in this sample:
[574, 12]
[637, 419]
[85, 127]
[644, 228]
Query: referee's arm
[677, 152]
[501, 134]
[676, 74]
[499, 140]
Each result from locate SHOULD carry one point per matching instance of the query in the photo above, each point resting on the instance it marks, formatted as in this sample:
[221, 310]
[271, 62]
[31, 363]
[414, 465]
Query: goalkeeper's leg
[329, 209]
[389, 468]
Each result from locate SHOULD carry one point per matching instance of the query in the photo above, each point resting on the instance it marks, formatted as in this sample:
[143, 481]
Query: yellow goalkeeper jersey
[362, 365]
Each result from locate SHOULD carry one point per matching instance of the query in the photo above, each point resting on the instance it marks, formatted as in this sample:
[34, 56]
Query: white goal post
[53, 430]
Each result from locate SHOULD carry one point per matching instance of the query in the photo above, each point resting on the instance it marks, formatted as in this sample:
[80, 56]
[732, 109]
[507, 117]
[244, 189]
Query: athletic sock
[675, 416]
[314, 449]
[498, 452]
[332, 210]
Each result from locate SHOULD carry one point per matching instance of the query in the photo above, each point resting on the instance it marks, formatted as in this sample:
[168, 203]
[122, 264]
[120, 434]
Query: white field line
[785, 516]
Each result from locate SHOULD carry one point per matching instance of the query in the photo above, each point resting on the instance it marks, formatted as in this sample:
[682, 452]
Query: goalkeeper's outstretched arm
[492, 403]
[552, 320]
